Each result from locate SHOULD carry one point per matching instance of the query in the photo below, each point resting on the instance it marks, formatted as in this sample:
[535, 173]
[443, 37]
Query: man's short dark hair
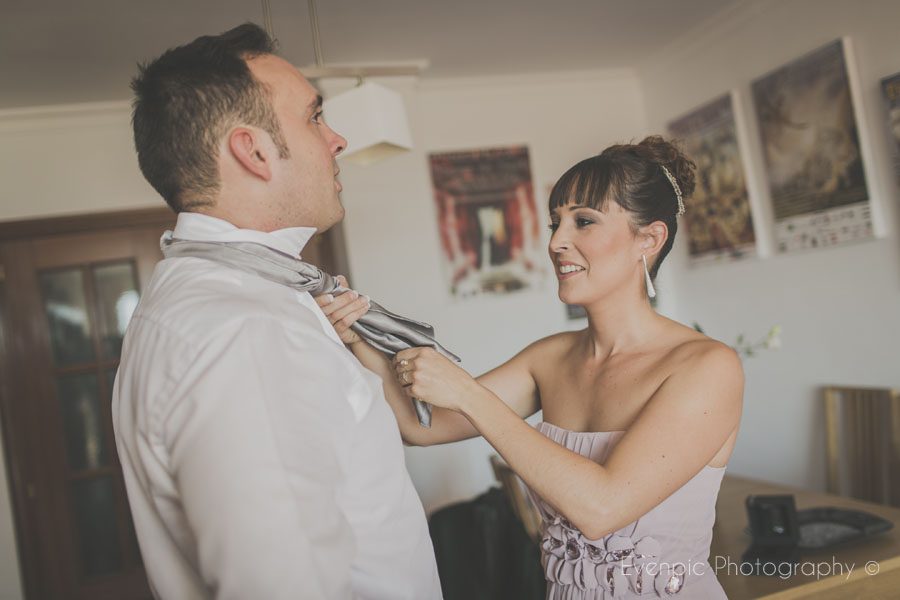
[187, 99]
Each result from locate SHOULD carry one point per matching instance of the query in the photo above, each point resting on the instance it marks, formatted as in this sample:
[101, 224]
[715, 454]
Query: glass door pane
[117, 297]
[93, 502]
[83, 419]
[88, 308]
[67, 315]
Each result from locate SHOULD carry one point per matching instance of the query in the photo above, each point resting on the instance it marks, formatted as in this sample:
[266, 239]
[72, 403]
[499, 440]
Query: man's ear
[246, 147]
[654, 236]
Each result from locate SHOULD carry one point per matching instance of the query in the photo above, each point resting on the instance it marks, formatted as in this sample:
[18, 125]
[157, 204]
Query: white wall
[840, 307]
[69, 159]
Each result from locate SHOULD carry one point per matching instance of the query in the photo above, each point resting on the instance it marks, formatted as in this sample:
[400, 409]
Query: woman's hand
[344, 310]
[428, 375]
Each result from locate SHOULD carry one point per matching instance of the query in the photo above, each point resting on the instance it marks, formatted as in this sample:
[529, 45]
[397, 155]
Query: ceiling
[60, 51]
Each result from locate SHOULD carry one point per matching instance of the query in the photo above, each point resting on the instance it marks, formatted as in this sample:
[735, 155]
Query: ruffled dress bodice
[664, 553]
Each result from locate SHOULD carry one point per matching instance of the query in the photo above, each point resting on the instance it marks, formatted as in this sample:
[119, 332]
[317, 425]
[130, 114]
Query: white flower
[773, 341]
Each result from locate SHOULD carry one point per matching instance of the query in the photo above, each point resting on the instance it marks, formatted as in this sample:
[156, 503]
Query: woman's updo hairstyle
[633, 177]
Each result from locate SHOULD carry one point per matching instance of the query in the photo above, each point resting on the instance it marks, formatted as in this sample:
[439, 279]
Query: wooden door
[67, 291]
[68, 299]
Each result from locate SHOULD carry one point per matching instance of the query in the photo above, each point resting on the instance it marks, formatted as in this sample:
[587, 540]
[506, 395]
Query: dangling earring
[651, 291]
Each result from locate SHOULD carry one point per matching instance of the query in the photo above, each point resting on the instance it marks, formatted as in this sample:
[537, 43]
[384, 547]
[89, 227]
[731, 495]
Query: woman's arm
[446, 425]
[680, 429]
[511, 381]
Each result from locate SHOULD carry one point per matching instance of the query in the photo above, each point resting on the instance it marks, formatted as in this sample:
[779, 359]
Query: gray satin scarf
[385, 330]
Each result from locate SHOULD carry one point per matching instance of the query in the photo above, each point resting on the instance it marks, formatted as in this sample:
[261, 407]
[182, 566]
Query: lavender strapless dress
[664, 553]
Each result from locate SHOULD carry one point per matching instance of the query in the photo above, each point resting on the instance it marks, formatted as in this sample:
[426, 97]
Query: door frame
[22, 455]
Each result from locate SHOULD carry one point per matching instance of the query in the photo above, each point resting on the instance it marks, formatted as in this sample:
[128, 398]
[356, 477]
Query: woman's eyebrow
[570, 207]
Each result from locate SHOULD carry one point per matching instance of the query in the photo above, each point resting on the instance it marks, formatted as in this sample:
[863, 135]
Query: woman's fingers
[407, 355]
[405, 378]
[405, 367]
[338, 303]
[348, 314]
[324, 300]
[345, 323]
[408, 370]
[404, 371]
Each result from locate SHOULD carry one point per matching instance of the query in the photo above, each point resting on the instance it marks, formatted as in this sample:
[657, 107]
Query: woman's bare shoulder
[698, 351]
[547, 350]
[557, 343]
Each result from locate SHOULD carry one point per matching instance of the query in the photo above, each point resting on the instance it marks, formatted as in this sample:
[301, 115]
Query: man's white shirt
[260, 457]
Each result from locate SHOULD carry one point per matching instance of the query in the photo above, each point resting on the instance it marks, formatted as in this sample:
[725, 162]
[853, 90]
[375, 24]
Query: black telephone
[775, 531]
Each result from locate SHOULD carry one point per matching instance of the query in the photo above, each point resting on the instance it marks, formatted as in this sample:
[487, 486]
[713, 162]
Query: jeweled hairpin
[674, 183]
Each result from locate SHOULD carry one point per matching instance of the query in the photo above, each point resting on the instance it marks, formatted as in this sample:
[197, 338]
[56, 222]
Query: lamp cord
[267, 19]
[314, 25]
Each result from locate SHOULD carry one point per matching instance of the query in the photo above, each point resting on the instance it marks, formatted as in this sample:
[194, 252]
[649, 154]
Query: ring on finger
[404, 378]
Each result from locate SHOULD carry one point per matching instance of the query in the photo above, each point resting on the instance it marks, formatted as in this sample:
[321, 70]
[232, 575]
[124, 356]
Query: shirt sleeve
[253, 445]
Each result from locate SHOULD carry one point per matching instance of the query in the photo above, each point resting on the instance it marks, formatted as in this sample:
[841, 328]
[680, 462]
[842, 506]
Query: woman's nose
[559, 243]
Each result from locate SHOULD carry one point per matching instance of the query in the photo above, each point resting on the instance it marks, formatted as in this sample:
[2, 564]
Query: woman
[640, 412]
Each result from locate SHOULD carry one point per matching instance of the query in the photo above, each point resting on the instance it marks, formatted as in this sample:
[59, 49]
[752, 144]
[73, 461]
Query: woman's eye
[553, 226]
[582, 222]
[318, 117]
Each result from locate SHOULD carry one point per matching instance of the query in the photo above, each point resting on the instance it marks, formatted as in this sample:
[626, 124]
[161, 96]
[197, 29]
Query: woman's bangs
[587, 184]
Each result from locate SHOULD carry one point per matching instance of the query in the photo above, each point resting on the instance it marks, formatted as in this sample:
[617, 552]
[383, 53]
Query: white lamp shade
[373, 120]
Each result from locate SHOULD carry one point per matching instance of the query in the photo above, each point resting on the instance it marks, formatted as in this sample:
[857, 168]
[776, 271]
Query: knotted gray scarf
[385, 330]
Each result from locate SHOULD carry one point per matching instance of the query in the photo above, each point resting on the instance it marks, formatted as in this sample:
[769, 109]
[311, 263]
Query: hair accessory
[651, 291]
[674, 183]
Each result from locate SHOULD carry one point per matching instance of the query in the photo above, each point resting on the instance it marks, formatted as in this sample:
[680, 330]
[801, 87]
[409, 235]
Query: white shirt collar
[199, 227]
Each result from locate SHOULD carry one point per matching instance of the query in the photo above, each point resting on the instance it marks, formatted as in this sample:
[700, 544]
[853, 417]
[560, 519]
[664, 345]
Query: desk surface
[730, 541]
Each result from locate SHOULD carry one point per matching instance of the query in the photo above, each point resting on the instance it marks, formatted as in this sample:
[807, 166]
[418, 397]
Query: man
[261, 459]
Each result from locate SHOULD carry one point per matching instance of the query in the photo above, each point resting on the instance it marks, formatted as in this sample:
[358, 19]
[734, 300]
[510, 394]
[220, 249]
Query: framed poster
[717, 220]
[488, 221]
[812, 153]
[891, 88]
